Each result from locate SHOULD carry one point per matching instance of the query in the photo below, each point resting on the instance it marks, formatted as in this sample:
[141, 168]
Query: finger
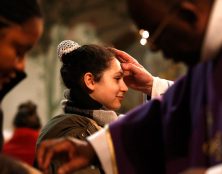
[40, 153]
[127, 73]
[47, 158]
[60, 147]
[134, 71]
[120, 55]
[42, 150]
[130, 67]
[48, 149]
[46, 171]
[72, 166]
[123, 57]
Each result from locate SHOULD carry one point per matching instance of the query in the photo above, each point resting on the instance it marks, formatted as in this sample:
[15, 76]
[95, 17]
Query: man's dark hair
[18, 12]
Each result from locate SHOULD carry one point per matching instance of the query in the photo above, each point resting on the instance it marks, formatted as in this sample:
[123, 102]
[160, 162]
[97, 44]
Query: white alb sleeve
[160, 86]
[101, 145]
[215, 169]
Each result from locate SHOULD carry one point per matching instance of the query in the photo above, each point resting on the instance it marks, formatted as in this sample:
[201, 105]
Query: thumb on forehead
[127, 73]
[125, 66]
[129, 67]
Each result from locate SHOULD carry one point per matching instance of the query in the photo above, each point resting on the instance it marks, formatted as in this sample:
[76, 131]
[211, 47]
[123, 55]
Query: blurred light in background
[144, 34]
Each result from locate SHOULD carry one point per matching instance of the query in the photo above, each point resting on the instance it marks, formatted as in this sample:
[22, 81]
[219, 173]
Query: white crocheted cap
[66, 47]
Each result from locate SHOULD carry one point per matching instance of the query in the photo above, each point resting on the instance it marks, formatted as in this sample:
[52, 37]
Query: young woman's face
[15, 42]
[110, 90]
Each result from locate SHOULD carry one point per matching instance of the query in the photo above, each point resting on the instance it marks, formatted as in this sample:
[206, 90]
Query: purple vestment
[180, 131]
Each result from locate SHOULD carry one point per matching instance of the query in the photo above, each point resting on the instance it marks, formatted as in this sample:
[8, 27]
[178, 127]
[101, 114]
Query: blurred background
[102, 22]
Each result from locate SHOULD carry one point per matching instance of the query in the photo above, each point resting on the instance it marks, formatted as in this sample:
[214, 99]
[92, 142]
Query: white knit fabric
[66, 47]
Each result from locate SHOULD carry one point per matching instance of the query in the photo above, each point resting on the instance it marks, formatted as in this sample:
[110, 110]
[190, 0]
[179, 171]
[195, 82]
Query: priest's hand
[78, 154]
[194, 171]
[136, 76]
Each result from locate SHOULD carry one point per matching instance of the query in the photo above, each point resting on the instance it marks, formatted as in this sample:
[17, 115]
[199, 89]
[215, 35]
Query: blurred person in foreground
[26, 125]
[183, 130]
[9, 165]
[21, 26]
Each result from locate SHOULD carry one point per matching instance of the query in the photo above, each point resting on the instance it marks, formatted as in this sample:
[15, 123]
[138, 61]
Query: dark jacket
[69, 125]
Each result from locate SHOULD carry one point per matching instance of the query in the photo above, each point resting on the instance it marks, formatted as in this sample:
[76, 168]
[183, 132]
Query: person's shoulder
[67, 125]
[64, 118]
[75, 119]
[78, 126]
[64, 121]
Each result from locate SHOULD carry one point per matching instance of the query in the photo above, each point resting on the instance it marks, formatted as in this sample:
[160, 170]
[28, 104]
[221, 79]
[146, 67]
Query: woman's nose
[123, 86]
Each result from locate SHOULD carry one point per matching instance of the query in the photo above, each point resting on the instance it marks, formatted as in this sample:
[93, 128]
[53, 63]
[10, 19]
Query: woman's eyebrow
[120, 72]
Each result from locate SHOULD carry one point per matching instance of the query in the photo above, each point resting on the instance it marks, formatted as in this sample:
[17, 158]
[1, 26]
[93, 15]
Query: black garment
[72, 125]
[12, 83]
[5, 89]
[1, 133]
[79, 98]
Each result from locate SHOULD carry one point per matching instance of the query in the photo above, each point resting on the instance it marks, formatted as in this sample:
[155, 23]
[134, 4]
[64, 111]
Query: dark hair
[27, 116]
[14, 11]
[87, 58]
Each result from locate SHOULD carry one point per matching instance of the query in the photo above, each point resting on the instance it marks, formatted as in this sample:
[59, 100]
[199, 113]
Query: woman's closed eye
[118, 78]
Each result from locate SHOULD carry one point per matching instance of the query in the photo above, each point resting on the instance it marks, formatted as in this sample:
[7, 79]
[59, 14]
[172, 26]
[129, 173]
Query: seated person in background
[95, 87]
[26, 130]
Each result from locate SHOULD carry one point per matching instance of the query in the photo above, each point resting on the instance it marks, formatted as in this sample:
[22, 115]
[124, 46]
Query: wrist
[148, 87]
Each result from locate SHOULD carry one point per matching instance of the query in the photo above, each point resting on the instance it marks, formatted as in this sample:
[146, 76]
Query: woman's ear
[89, 81]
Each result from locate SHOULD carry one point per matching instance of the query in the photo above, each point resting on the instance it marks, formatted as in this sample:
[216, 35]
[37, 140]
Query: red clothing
[22, 145]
